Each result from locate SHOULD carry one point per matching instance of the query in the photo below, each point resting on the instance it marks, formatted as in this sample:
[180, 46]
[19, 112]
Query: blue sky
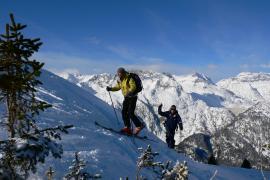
[216, 37]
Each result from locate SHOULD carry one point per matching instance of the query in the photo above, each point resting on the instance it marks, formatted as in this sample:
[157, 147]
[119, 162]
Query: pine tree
[146, 160]
[27, 144]
[19, 76]
[77, 170]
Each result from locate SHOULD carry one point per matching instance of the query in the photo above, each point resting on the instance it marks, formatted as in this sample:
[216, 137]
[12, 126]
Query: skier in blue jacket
[173, 120]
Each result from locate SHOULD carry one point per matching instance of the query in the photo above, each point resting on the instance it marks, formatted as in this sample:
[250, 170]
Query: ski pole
[118, 122]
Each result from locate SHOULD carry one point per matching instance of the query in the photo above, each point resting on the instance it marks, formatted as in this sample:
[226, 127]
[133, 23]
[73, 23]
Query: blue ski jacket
[172, 120]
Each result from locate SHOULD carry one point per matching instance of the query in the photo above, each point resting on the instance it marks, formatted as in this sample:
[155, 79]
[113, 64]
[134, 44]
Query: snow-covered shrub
[26, 151]
[178, 172]
[146, 160]
[77, 170]
[163, 170]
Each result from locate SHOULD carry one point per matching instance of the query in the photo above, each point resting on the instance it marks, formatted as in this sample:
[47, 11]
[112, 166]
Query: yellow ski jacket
[126, 87]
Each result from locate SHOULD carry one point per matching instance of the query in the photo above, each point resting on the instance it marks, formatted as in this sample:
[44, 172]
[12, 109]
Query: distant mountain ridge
[251, 86]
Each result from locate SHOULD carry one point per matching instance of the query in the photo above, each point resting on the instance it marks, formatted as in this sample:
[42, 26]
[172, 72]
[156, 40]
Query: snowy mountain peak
[102, 77]
[201, 78]
[195, 78]
[252, 86]
[252, 77]
[146, 74]
[71, 76]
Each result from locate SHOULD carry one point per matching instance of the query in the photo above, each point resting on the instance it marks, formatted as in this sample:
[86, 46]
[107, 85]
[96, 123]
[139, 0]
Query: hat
[173, 107]
[121, 70]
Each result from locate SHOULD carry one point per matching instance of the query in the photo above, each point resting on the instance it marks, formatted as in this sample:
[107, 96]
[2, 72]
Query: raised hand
[108, 88]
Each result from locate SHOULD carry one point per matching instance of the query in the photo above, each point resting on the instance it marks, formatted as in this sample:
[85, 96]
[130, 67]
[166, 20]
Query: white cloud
[152, 60]
[59, 62]
[254, 66]
[212, 66]
[245, 66]
[65, 71]
[122, 51]
[132, 57]
[265, 65]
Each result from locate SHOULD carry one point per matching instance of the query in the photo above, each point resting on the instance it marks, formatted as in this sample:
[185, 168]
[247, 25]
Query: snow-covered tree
[163, 170]
[147, 160]
[7, 174]
[178, 172]
[27, 144]
[77, 170]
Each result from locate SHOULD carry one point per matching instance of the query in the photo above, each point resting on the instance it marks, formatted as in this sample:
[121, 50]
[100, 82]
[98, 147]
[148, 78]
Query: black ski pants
[170, 139]
[129, 106]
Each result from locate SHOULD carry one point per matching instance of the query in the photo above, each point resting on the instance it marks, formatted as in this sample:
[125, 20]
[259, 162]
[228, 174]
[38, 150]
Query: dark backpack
[138, 82]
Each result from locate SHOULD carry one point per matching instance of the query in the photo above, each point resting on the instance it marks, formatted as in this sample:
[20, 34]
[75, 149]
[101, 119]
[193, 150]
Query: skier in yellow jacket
[128, 87]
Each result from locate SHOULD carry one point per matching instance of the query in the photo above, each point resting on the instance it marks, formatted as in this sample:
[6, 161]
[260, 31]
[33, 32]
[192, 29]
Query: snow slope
[111, 155]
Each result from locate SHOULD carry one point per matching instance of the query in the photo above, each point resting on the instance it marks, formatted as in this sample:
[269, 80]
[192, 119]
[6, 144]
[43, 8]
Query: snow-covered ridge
[252, 77]
[254, 87]
[196, 78]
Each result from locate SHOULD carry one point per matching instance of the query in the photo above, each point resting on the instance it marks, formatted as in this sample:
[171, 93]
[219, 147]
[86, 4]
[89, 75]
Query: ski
[120, 133]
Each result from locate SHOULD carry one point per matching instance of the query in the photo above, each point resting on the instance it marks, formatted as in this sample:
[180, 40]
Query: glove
[108, 88]
[181, 127]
